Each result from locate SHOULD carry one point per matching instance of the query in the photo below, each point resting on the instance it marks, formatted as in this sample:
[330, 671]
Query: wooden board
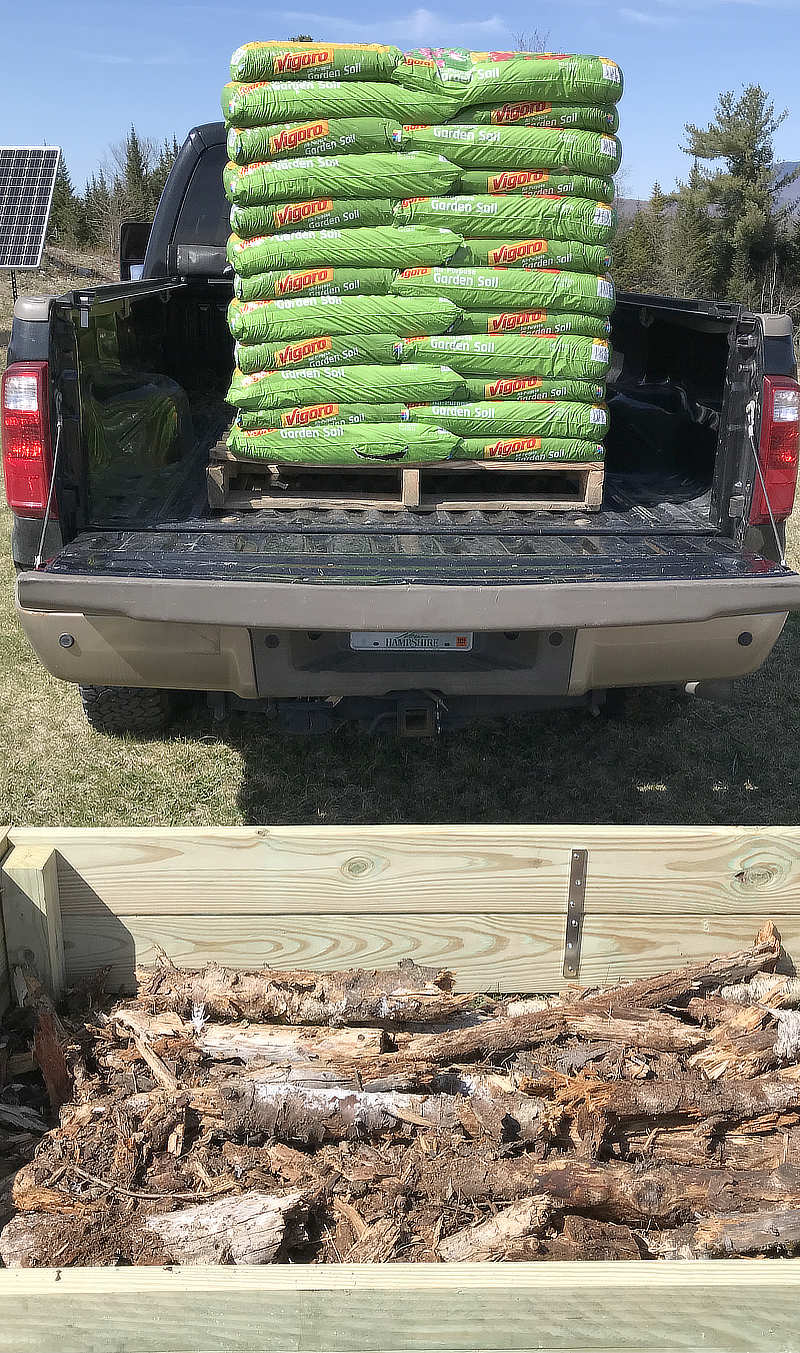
[719, 1307]
[5, 984]
[468, 486]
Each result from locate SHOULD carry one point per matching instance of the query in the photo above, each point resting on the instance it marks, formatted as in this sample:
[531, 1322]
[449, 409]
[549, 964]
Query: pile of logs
[258, 1117]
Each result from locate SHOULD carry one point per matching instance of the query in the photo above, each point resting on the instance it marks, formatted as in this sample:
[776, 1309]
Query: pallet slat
[415, 487]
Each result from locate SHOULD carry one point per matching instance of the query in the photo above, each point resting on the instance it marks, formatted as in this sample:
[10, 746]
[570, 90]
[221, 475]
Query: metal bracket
[575, 907]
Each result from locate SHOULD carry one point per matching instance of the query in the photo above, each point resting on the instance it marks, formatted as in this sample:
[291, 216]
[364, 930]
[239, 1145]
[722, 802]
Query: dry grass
[671, 761]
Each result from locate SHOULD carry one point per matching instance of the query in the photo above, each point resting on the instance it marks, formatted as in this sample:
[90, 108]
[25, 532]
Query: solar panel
[27, 179]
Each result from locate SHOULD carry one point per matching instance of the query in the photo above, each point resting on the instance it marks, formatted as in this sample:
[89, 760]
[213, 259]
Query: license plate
[412, 641]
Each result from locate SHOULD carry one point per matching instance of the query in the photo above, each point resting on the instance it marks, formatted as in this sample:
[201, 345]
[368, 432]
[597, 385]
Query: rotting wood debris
[229, 1117]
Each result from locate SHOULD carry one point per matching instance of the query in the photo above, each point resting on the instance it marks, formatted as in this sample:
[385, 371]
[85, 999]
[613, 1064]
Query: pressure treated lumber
[300, 997]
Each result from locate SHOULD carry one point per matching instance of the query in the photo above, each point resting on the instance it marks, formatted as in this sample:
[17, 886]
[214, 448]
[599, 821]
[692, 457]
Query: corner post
[32, 914]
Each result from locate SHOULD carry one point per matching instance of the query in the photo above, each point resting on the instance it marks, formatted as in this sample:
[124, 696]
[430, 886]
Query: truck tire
[127, 709]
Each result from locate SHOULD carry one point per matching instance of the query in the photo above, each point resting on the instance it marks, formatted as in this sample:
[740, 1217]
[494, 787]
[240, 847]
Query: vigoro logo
[513, 446]
[420, 61]
[416, 272]
[511, 386]
[294, 418]
[292, 137]
[298, 281]
[297, 352]
[506, 183]
[293, 212]
[510, 253]
[512, 112]
[514, 319]
[294, 61]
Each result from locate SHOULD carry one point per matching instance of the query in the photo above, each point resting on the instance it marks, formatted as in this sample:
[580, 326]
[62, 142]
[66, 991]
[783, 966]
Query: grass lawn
[673, 760]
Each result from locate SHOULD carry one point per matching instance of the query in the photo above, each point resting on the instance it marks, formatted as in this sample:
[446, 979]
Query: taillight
[778, 450]
[27, 451]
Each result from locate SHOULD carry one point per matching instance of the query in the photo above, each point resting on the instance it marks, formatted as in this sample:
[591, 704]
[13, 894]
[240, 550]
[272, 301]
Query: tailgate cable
[751, 421]
[39, 560]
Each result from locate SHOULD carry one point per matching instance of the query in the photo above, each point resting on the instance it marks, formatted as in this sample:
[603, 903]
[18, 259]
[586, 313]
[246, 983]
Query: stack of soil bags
[420, 249]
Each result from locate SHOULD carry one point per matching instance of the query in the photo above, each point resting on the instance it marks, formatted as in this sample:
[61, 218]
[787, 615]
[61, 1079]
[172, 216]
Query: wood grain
[707, 871]
[504, 952]
[399, 1308]
[32, 913]
[5, 985]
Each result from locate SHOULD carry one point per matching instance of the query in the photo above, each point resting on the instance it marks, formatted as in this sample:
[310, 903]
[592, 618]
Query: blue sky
[77, 74]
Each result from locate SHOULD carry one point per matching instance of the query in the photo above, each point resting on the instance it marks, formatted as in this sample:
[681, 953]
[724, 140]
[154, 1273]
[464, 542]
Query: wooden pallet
[453, 486]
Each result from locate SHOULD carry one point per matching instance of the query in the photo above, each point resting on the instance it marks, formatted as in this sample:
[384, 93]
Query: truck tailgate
[355, 580]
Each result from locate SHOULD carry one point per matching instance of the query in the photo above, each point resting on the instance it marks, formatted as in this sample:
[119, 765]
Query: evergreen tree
[66, 208]
[748, 233]
[690, 258]
[158, 175]
[134, 186]
[640, 250]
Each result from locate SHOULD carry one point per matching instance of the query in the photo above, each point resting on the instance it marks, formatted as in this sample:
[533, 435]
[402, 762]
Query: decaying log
[248, 1229]
[610, 1191]
[765, 989]
[687, 1097]
[257, 1042]
[491, 1239]
[311, 1117]
[356, 996]
[586, 1238]
[703, 1144]
[49, 1039]
[727, 1237]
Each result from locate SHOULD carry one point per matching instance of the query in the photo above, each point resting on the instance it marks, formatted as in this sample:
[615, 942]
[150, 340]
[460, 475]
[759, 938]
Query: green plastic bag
[504, 288]
[321, 213]
[309, 316]
[533, 322]
[554, 449]
[517, 147]
[518, 418]
[534, 183]
[339, 136]
[272, 286]
[562, 218]
[548, 356]
[535, 113]
[263, 104]
[314, 61]
[535, 388]
[572, 255]
[328, 350]
[389, 175]
[372, 247]
[561, 78]
[331, 415]
[410, 383]
[367, 443]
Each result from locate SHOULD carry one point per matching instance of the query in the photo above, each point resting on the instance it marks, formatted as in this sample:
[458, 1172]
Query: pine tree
[134, 186]
[641, 247]
[690, 256]
[158, 175]
[749, 233]
[65, 210]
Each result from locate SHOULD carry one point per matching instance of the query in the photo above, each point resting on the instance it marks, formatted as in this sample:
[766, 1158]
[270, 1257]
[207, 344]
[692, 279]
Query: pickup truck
[133, 587]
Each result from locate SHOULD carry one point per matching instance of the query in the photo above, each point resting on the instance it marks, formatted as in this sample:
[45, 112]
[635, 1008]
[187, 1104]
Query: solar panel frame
[27, 183]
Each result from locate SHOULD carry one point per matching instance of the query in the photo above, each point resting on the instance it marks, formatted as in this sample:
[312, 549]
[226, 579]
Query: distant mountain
[787, 197]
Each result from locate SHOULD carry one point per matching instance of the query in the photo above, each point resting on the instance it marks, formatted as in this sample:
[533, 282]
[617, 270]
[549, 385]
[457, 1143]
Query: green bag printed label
[321, 136]
[558, 218]
[499, 288]
[287, 218]
[350, 176]
[535, 388]
[272, 286]
[554, 449]
[558, 77]
[314, 61]
[262, 104]
[410, 383]
[539, 113]
[516, 147]
[534, 183]
[533, 322]
[547, 356]
[571, 255]
[314, 415]
[327, 350]
[309, 316]
[518, 418]
[377, 443]
[373, 247]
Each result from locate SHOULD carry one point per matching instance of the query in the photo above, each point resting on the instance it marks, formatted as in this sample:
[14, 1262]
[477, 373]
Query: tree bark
[248, 1229]
[765, 989]
[585, 1238]
[491, 1239]
[388, 996]
[49, 1040]
[688, 1097]
[701, 1145]
[257, 1042]
[727, 1237]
